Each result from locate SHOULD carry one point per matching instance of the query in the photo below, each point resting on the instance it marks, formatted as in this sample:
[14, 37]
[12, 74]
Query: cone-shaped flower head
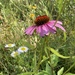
[43, 26]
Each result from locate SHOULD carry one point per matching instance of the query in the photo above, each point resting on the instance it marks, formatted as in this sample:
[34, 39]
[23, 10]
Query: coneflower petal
[30, 30]
[59, 26]
[55, 22]
[38, 29]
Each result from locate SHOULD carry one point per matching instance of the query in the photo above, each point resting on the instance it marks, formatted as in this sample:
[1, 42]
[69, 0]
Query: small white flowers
[9, 45]
[22, 49]
[14, 53]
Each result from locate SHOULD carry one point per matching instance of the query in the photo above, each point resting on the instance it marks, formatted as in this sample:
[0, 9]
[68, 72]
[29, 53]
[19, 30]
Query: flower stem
[69, 68]
[47, 39]
[4, 67]
[35, 61]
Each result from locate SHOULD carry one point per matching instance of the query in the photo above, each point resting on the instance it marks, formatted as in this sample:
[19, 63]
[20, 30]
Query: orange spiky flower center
[40, 20]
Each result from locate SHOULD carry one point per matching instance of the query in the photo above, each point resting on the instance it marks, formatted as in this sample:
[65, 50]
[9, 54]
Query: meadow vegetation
[48, 55]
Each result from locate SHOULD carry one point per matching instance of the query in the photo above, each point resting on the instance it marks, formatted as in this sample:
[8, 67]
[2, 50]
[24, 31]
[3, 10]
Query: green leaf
[26, 73]
[44, 59]
[42, 73]
[56, 53]
[48, 69]
[69, 74]
[1, 73]
[54, 60]
[60, 72]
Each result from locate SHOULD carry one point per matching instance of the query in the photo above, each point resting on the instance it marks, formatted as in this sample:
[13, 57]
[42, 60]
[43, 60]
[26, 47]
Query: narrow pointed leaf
[26, 73]
[57, 53]
[48, 69]
[69, 74]
[65, 36]
[60, 72]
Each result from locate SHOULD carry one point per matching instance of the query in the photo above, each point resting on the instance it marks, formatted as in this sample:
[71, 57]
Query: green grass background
[15, 18]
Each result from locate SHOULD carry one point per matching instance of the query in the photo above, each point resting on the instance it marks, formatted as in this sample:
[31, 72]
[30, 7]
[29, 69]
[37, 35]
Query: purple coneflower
[43, 26]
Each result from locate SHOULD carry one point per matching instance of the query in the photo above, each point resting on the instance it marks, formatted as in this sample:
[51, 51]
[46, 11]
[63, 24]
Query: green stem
[35, 61]
[69, 68]
[50, 61]
[41, 47]
[4, 67]
[47, 39]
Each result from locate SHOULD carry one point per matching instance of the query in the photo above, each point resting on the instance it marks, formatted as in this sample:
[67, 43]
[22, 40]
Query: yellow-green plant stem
[4, 67]
[47, 42]
[35, 62]
[69, 68]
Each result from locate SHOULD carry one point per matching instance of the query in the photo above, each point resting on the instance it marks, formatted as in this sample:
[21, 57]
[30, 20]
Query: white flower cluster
[18, 51]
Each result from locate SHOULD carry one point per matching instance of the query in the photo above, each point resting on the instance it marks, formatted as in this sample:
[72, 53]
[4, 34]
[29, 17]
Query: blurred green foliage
[15, 17]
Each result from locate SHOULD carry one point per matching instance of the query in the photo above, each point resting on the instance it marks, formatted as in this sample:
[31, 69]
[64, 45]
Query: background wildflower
[9, 45]
[32, 15]
[34, 7]
[15, 53]
[22, 49]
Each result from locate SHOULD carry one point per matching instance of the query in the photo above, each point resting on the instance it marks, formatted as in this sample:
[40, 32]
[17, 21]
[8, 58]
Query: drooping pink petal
[44, 27]
[38, 29]
[43, 32]
[54, 21]
[59, 22]
[48, 28]
[59, 26]
[51, 25]
[51, 29]
[55, 24]
[30, 30]
[47, 34]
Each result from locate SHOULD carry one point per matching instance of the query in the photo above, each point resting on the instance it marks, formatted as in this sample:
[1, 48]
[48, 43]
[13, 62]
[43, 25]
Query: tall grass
[15, 17]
